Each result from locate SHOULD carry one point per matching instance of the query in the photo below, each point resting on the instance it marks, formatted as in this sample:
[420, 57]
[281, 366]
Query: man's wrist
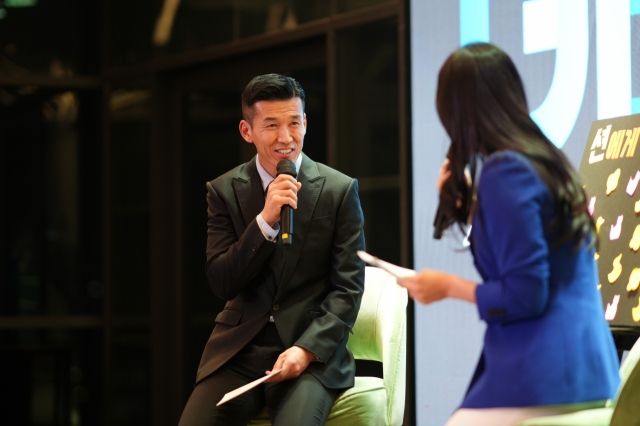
[311, 356]
[270, 233]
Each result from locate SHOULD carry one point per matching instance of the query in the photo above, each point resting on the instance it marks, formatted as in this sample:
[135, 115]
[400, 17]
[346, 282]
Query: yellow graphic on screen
[637, 207]
[635, 312]
[617, 269]
[599, 223]
[612, 181]
[634, 280]
[635, 239]
[596, 256]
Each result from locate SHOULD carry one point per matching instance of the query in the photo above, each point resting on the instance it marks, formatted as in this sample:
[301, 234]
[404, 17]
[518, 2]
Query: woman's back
[546, 341]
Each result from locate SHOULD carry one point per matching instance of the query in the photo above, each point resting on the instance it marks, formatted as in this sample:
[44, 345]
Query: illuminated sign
[563, 26]
[622, 143]
[611, 176]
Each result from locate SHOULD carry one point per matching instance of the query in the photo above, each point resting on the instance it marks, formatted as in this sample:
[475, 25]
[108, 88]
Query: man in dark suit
[289, 307]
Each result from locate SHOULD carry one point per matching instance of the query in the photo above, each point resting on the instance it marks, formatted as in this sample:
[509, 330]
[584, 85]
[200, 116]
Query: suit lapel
[308, 196]
[250, 194]
[248, 188]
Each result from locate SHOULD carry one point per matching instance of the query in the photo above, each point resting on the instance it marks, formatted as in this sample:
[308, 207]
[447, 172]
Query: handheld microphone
[438, 224]
[286, 167]
[441, 222]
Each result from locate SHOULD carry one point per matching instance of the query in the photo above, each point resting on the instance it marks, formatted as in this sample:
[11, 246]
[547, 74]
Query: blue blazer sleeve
[512, 201]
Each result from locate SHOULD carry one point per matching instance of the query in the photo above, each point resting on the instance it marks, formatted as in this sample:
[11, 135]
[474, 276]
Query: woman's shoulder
[506, 163]
[508, 159]
[511, 171]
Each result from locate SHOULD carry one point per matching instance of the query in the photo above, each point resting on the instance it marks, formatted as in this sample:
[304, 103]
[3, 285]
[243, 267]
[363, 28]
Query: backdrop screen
[579, 60]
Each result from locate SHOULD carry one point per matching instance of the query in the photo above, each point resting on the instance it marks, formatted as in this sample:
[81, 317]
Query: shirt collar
[266, 177]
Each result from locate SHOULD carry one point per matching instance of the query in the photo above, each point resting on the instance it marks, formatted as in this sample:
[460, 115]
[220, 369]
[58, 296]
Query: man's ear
[245, 131]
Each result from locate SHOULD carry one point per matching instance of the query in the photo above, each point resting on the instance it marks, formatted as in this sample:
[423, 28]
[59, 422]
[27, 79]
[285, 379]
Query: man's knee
[201, 409]
[303, 401]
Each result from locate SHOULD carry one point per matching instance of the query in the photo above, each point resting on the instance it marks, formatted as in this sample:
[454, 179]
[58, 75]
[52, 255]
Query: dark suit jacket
[316, 300]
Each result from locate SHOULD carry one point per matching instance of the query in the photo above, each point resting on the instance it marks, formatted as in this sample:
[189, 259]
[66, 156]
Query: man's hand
[282, 191]
[293, 362]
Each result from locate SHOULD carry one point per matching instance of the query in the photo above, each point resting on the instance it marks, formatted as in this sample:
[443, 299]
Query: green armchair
[623, 410]
[379, 334]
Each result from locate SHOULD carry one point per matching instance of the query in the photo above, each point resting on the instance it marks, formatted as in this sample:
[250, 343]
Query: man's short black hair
[269, 87]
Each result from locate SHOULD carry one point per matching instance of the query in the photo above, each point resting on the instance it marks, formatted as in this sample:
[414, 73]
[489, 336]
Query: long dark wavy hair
[483, 107]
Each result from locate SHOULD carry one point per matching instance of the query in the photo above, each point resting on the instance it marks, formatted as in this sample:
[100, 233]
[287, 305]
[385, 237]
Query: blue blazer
[546, 341]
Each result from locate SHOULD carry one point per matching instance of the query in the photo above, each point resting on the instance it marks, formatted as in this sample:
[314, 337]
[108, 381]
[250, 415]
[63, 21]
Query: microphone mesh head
[286, 167]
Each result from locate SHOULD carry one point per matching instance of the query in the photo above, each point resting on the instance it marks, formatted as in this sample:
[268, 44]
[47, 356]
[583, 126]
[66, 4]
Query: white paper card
[395, 270]
[242, 389]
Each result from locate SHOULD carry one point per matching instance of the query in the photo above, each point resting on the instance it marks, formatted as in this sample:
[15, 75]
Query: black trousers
[301, 401]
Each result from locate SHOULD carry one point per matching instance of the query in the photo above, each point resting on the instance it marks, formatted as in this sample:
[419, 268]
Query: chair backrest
[626, 411]
[380, 332]
[629, 364]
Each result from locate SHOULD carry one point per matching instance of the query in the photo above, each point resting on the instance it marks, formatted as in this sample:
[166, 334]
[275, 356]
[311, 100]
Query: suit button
[276, 307]
[254, 248]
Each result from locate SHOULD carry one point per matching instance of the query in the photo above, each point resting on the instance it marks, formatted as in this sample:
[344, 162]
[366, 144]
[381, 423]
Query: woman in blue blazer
[533, 244]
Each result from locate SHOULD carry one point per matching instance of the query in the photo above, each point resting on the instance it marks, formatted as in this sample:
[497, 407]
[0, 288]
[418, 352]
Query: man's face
[277, 130]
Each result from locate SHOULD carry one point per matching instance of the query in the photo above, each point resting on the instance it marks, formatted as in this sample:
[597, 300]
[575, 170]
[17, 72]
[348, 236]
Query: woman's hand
[430, 286]
[426, 287]
[444, 174]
